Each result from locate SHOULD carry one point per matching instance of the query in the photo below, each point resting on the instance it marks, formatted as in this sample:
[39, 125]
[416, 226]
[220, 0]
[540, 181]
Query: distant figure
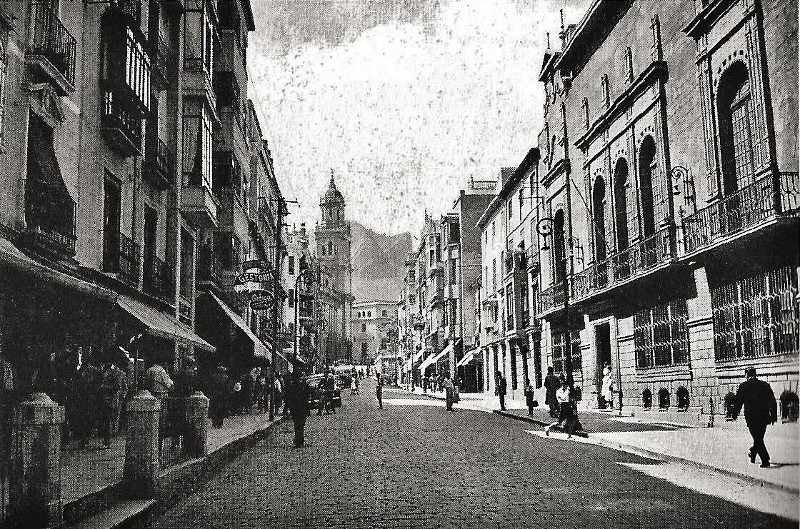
[379, 391]
[502, 386]
[113, 388]
[567, 414]
[353, 386]
[529, 401]
[298, 397]
[449, 393]
[606, 390]
[760, 410]
[551, 384]
[218, 393]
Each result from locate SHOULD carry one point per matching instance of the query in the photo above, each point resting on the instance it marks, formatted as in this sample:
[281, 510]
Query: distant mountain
[378, 263]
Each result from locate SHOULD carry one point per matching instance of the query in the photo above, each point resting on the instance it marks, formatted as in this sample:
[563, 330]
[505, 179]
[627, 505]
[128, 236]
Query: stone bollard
[35, 464]
[142, 445]
[196, 433]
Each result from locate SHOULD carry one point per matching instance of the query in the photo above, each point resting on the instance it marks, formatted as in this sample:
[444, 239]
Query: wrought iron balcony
[630, 262]
[159, 278]
[159, 166]
[748, 208]
[129, 8]
[50, 219]
[121, 123]
[121, 257]
[552, 298]
[51, 48]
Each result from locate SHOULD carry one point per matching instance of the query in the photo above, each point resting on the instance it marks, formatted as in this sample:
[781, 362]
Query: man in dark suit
[298, 397]
[760, 410]
[502, 386]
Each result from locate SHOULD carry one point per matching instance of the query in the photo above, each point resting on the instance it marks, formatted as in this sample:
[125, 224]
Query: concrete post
[142, 445]
[194, 440]
[35, 470]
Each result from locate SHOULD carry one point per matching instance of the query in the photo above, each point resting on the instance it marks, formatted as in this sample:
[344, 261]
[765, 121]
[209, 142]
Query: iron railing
[159, 278]
[739, 211]
[552, 298]
[630, 262]
[50, 216]
[121, 256]
[131, 8]
[51, 40]
[121, 113]
[159, 162]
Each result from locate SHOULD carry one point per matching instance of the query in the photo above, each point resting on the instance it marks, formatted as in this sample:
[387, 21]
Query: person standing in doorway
[606, 391]
[501, 390]
[760, 410]
[379, 390]
[447, 384]
[551, 384]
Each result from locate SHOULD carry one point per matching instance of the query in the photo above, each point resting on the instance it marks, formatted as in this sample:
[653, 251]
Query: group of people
[434, 382]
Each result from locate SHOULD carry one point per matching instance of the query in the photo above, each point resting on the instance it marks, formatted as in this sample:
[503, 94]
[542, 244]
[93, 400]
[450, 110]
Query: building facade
[374, 333]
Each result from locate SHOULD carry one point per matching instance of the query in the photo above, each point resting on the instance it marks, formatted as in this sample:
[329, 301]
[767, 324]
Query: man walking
[760, 410]
[447, 384]
[379, 391]
[501, 390]
[551, 384]
[298, 395]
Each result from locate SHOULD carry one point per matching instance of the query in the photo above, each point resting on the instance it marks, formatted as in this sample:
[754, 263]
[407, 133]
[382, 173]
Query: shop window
[789, 406]
[663, 399]
[735, 111]
[756, 316]
[661, 336]
[647, 399]
[682, 398]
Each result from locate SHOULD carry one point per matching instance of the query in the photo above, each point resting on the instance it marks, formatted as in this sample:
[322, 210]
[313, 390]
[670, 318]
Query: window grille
[561, 357]
[756, 316]
[661, 336]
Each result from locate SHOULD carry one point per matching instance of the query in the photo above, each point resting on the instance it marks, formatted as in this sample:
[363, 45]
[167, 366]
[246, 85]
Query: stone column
[197, 426]
[142, 445]
[35, 464]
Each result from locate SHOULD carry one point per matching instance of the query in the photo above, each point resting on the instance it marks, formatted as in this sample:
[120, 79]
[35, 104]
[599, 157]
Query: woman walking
[567, 414]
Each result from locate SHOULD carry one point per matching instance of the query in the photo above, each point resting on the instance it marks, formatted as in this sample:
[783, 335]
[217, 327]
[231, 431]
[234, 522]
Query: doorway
[602, 335]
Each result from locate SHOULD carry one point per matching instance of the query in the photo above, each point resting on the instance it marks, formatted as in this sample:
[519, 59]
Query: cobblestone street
[413, 464]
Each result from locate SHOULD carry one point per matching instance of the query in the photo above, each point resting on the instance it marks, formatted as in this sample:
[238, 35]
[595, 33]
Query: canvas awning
[162, 325]
[432, 359]
[467, 358]
[259, 349]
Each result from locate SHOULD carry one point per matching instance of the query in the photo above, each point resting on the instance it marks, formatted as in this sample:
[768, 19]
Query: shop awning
[13, 257]
[259, 349]
[162, 325]
[467, 358]
[432, 359]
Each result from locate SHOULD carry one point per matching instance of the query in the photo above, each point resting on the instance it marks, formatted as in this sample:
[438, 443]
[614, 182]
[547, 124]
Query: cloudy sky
[405, 100]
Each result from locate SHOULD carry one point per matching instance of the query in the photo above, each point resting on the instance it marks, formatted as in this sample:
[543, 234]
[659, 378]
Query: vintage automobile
[315, 382]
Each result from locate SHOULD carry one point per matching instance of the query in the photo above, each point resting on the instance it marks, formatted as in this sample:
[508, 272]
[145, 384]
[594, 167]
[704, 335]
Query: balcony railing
[159, 278]
[122, 123]
[50, 218]
[510, 322]
[159, 163]
[166, 60]
[745, 209]
[551, 298]
[630, 262]
[51, 41]
[121, 257]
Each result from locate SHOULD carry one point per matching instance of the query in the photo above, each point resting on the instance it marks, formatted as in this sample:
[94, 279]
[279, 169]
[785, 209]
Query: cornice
[706, 18]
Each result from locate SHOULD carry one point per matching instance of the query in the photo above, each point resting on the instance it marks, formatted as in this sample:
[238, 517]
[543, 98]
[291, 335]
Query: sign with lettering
[256, 275]
[261, 300]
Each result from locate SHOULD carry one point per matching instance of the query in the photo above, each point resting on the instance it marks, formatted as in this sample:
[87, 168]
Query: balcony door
[112, 203]
[150, 226]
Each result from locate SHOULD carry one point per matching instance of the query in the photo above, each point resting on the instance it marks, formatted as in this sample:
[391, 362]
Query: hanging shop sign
[261, 300]
[256, 276]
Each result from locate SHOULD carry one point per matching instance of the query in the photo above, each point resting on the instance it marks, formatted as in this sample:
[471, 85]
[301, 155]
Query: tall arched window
[621, 203]
[647, 161]
[559, 248]
[735, 110]
[599, 207]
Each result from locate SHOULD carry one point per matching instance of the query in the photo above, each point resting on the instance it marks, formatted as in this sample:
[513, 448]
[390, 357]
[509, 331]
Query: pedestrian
[298, 397]
[112, 391]
[501, 390]
[324, 395]
[89, 379]
[278, 392]
[330, 388]
[607, 390]
[760, 410]
[353, 386]
[567, 415]
[529, 401]
[379, 391]
[551, 384]
[448, 391]
[218, 394]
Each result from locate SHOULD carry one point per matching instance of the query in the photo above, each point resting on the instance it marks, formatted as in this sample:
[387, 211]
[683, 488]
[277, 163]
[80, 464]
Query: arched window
[621, 203]
[647, 161]
[599, 208]
[735, 110]
[585, 109]
[559, 248]
[604, 91]
[628, 65]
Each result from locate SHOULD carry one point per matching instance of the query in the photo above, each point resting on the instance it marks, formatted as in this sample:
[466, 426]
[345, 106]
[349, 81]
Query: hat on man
[750, 371]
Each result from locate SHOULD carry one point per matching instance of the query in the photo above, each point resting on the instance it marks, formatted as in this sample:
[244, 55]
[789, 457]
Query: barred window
[562, 357]
[756, 316]
[661, 336]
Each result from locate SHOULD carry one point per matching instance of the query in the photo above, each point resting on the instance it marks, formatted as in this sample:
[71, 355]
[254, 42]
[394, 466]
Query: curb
[577, 433]
[651, 454]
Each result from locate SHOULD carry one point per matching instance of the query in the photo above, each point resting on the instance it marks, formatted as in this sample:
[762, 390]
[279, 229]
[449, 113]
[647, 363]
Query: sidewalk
[722, 448]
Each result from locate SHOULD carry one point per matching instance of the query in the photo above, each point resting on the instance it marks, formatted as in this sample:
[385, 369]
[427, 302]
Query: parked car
[315, 381]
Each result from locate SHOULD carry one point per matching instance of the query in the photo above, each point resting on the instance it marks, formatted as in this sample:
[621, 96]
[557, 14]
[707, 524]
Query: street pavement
[413, 464]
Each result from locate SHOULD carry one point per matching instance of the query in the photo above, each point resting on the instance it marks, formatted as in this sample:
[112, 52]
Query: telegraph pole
[275, 281]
